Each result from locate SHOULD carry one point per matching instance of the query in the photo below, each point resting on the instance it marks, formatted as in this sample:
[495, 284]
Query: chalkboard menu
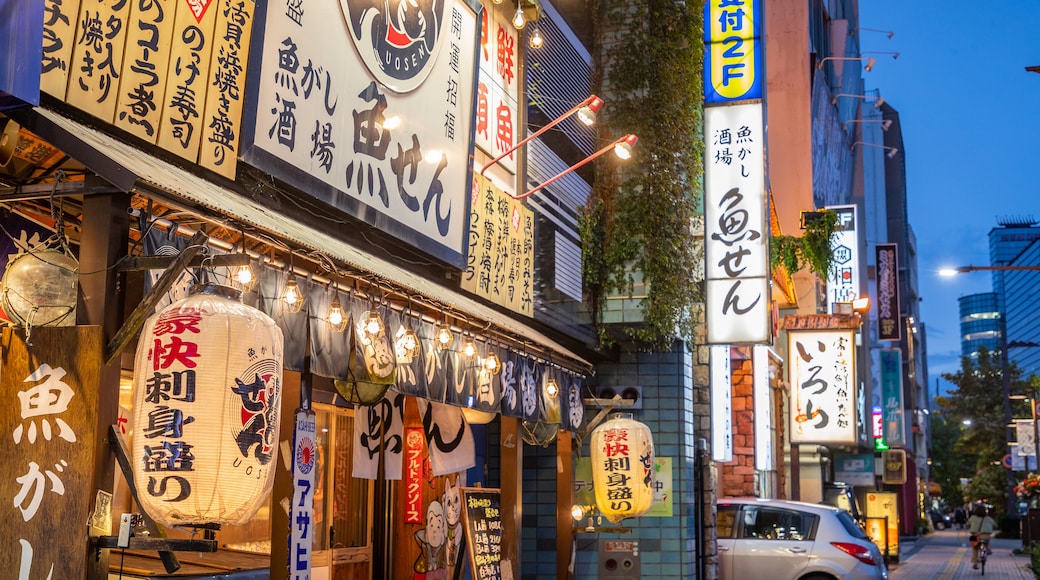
[482, 517]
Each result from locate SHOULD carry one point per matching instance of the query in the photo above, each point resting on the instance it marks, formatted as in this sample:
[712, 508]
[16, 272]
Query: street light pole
[1005, 378]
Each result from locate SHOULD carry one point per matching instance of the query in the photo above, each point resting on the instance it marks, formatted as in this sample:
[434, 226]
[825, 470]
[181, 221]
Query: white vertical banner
[736, 226]
[843, 280]
[301, 512]
[763, 408]
[721, 404]
[1026, 436]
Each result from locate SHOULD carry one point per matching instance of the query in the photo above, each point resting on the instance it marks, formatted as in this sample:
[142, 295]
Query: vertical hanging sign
[888, 292]
[301, 539]
[734, 50]
[843, 281]
[48, 453]
[736, 230]
[721, 404]
[892, 397]
[736, 227]
[496, 126]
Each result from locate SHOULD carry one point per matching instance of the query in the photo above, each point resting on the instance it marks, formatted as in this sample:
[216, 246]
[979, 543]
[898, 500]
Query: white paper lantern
[207, 398]
[622, 451]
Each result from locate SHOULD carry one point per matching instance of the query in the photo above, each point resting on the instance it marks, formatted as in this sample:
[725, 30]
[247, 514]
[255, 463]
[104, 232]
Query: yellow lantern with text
[622, 451]
[207, 397]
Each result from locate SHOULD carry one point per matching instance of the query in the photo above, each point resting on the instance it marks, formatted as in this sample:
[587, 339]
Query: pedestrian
[960, 517]
[981, 526]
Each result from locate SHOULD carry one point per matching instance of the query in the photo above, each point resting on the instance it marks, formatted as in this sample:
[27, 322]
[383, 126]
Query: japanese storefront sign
[736, 228]
[855, 469]
[883, 505]
[496, 127]
[892, 397]
[48, 455]
[301, 513]
[721, 404]
[382, 128]
[448, 436]
[379, 434]
[414, 474]
[843, 280]
[893, 467]
[500, 260]
[889, 327]
[734, 49]
[207, 399]
[482, 520]
[171, 72]
[823, 389]
[380, 431]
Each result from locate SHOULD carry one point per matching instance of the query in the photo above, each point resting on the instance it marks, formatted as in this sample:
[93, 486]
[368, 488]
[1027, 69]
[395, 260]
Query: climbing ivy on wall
[648, 64]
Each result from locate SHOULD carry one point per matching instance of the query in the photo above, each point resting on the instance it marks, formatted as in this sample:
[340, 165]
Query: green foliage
[978, 399]
[814, 249]
[649, 65]
[948, 467]
[1034, 558]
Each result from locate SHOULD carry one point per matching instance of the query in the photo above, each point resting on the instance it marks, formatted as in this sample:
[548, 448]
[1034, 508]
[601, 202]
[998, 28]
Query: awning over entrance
[134, 171]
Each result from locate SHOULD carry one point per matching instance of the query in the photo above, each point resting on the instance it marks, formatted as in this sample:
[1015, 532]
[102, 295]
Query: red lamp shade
[207, 396]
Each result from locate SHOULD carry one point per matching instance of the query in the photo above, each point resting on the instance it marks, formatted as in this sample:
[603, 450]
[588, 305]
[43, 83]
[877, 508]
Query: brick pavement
[947, 555]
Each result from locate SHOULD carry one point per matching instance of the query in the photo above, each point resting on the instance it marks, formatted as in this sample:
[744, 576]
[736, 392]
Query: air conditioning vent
[631, 397]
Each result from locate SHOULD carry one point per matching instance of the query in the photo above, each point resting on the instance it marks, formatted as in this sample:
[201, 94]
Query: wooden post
[512, 493]
[106, 231]
[564, 501]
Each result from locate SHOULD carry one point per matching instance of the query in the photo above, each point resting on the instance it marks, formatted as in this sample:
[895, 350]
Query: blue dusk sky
[970, 114]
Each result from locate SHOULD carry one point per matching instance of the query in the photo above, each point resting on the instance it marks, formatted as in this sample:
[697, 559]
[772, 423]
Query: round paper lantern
[622, 452]
[40, 287]
[207, 398]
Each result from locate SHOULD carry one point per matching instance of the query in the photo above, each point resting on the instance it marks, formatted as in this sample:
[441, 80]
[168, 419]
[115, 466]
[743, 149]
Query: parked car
[940, 519]
[789, 540]
[840, 495]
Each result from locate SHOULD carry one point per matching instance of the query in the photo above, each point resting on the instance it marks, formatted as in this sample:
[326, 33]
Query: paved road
[947, 554]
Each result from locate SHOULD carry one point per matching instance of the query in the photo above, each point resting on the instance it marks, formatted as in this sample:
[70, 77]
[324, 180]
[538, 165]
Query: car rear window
[850, 525]
[727, 516]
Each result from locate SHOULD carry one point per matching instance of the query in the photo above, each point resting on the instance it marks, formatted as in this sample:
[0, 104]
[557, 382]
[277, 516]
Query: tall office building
[1015, 243]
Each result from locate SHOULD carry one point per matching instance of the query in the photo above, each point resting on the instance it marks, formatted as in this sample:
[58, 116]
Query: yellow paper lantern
[622, 451]
[207, 397]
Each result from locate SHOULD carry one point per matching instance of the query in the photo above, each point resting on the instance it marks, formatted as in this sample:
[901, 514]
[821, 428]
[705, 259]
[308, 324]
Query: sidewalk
[947, 554]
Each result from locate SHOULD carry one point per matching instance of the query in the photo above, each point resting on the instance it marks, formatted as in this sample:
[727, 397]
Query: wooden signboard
[47, 421]
[482, 520]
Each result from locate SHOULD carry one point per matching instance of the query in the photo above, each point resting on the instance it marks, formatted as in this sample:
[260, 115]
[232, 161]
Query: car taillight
[857, 551]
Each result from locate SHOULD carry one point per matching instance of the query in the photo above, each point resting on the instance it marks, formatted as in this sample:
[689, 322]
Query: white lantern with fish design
[207, 397]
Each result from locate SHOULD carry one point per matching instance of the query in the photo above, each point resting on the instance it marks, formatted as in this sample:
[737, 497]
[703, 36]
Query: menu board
[482, 518]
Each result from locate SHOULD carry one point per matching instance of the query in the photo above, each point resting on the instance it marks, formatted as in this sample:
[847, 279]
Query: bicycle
[983, 545]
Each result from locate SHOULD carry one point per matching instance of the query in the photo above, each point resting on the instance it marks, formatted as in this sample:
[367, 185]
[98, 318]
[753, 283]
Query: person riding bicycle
[981, 525]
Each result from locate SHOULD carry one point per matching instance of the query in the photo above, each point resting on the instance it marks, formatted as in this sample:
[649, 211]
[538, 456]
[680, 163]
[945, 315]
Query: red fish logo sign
[398, 40]
[255, 436]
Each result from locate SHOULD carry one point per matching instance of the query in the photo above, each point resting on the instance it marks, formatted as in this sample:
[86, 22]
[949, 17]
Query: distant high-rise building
[1016, 243]
[980, 323]
[1015, 299]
